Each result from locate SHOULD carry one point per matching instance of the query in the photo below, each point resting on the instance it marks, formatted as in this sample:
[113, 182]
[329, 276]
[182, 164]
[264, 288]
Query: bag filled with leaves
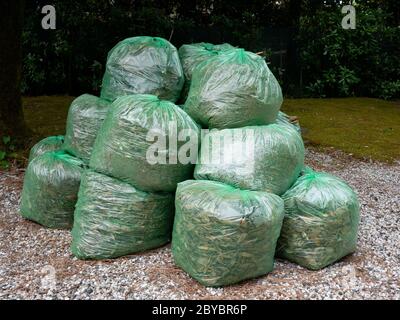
[113, 218]
[321, 221]
[143, 65]
[50, 190]
[134, 141]
[264, 158]
[48, 144]
[85, 117]
[233, 89]
[192, 55]
[285, 119]
[223, 235]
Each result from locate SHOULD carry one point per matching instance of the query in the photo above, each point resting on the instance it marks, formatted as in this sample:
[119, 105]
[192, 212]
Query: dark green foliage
[7, 151]
[340, 63]
[71, 59]
[333, 61]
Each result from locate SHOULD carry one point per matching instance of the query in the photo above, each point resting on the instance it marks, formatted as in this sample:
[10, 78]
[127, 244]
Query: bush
[341, 63]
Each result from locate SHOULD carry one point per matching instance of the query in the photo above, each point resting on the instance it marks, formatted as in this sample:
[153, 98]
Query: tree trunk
[11, 113]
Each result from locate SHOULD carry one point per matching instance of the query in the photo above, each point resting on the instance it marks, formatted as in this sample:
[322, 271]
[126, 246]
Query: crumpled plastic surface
[50, 190]
[125, 139]
[113, 218]
[48, 144]
[223, 235]
[285, 119]
[321, 221]
[85, 117]
[143, 65]
[233, 89]
[192, 55]
[265, 158]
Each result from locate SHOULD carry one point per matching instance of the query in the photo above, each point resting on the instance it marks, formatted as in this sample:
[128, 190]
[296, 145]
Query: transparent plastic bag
[321, 221]
[265, 158]
[223, 235]
[52, 143]
[85, 117]
[50, 190]
[113, 218]
[191, 55]
[233, 89]
[285, 119]
[143, 65]
[124, 143]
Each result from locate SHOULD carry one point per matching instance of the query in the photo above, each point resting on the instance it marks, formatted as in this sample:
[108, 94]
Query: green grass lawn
[366, 128]
[47, 115]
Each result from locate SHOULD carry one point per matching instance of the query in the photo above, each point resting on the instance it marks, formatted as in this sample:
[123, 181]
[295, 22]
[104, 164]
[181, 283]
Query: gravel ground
[36, 263]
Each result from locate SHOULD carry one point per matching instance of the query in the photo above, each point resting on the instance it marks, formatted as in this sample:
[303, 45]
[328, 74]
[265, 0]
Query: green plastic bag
[285, 119]
[125, 142]
[113, 218]
[85, 117]
[51, 143]
[321, 221]
[50, 190]
[233, 89]
[143, 65]
[192, 55]
[223, 235]
[264, 158]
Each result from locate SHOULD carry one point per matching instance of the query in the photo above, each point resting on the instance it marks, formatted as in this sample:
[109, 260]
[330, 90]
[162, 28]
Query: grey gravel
[36, 263]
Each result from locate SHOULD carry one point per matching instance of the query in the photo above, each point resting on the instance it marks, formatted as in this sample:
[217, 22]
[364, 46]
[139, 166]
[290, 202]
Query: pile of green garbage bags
[221, 176]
